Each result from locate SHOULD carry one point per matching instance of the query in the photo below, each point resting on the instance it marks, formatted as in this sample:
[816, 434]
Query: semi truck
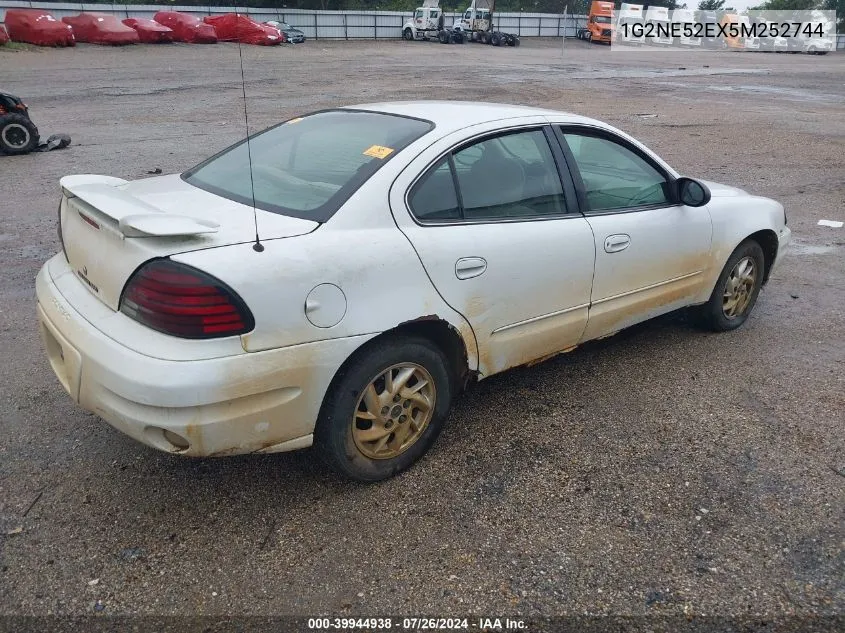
[630, 26]
[686, 17]
[711, 38]
[733, 25]
[659, 26]
[599, 23]
[474, 25]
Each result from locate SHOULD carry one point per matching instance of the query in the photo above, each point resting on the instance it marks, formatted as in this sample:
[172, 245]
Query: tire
[515, 41]
[18, 135]
[408, 34]
[588, 36]
[482, 37]
[716, 314]
[496, 39]
[443, 36]
[458, 37]
[341, 435]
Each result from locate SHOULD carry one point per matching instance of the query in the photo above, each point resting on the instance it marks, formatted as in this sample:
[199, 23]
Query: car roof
[453, 115]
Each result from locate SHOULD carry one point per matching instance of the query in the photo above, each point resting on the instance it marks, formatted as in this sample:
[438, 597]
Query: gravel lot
[661, 472]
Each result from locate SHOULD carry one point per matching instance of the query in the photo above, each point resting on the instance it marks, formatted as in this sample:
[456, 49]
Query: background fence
[342, 25]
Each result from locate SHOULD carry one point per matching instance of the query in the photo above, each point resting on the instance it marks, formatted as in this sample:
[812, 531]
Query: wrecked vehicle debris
[18, 134]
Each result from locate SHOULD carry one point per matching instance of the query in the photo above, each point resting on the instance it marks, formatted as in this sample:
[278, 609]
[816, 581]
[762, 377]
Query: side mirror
[692, 193]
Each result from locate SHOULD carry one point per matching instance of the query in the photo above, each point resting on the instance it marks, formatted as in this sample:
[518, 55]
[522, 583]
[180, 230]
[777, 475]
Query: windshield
[285, 26]
[309, 166]
[601, 19]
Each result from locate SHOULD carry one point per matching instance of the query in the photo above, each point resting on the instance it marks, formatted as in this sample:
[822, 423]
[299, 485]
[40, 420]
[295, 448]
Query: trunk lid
[110, 226]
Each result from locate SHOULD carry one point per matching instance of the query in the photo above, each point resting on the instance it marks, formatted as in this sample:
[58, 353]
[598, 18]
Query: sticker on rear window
[378, 151]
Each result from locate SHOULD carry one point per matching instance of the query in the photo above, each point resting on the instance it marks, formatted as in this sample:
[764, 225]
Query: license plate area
[64, 359]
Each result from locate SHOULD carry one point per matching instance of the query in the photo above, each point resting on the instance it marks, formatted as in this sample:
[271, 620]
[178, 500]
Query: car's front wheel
[385, 409]
[736, 290]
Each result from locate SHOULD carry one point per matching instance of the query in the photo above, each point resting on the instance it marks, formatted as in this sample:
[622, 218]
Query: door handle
[469, 267]
[616, 243]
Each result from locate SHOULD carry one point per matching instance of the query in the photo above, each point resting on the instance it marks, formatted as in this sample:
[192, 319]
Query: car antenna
[258, 247]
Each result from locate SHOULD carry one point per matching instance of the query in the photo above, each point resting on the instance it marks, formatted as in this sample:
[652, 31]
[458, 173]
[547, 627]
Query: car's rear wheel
[736, 290]
[18, 135]
[385, 409]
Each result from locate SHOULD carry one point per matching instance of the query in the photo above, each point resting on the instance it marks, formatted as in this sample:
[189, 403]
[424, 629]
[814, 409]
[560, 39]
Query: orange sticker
[378, 151]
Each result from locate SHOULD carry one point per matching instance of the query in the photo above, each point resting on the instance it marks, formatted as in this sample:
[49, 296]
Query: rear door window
[434, 197]
[504, 177]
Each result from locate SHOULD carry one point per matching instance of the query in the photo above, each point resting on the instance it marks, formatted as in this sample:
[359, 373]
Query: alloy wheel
[393, 411]
[739, 288]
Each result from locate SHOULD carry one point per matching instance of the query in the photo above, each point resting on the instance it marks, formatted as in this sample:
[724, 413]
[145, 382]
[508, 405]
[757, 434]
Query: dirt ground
[661, 472]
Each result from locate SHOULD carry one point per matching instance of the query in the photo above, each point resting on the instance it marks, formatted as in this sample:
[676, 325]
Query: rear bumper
[243, 403]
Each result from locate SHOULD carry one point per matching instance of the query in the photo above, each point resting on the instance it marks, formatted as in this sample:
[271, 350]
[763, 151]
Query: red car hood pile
[101, 28]
[149, 31]
[36, 26]
[236, 27]
[186, 27]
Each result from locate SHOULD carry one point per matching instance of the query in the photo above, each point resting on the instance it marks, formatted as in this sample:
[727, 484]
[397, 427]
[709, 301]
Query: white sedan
[339, 279]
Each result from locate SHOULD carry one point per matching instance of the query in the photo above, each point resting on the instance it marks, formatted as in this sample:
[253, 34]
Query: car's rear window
[309, 166]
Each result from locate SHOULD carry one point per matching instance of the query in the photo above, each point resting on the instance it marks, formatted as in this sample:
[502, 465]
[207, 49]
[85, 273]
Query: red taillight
[182, 301]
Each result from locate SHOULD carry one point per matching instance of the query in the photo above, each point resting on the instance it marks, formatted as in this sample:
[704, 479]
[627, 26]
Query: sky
[741, 5]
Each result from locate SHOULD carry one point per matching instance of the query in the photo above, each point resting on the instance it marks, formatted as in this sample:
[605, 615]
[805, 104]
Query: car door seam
[428, 275]
[644, 288]
[540, 318]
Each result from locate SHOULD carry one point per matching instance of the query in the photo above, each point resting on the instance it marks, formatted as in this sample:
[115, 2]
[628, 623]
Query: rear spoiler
[134, 217]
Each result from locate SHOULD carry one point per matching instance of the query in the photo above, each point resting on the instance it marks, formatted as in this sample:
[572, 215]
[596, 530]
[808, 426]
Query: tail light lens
[182, 301]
